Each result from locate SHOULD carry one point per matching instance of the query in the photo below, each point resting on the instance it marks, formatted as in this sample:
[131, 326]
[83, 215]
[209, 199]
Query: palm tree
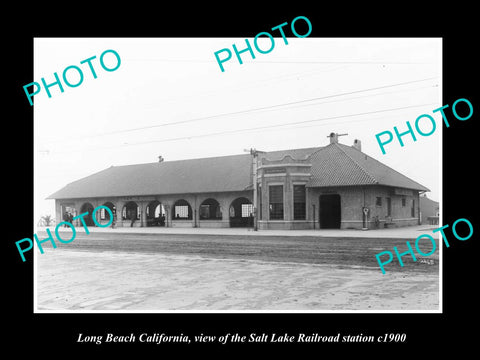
[46, 220]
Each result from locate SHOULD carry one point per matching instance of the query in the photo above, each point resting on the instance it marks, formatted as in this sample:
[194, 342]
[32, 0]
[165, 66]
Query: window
[104, 214]
[299, 208]
[275, 193]
[247, 209]
[131, 211]
[413, 208]
[210, 210]
[182, 210]
[379, 201]
[404, 202]
[204, 211]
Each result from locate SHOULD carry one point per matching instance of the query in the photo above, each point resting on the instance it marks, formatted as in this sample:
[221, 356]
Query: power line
[364, 96]
[255, 109]
[248, 85]
[276, 125]
[256, 128]
[371, 95]
[263, 108]
[346, 62]
[359, 62]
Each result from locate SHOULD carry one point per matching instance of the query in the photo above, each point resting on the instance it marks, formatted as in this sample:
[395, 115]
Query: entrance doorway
[87, 207]
[241, 213]
[156, 214]
[330, 211]
[131, 212]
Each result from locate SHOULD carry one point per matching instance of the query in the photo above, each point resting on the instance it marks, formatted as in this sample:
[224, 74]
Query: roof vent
[357, 144]
[334, 137]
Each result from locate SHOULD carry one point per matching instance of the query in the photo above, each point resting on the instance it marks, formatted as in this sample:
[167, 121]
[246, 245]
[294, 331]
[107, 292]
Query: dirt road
[310, 250]
[187, 272]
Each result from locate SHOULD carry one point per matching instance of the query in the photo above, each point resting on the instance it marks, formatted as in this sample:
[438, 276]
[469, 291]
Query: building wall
[286, 172]
[195, 200]
[354, 198]
[402, 214]
[352, 201]
[430, 210]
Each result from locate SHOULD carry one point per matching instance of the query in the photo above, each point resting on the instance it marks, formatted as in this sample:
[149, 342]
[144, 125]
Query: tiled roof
[226, 173]
[332, 165]
[216, 174]
[298, 154]
[341, 165]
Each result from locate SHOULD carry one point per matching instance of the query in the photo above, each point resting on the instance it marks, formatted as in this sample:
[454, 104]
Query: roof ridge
[356, 163]
[222, 156]
[178, 160]
[318, 150]
[385, 165]
[314, 148]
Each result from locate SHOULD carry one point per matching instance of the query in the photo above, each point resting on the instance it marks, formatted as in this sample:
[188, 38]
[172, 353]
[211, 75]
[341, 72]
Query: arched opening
[105, 215]
[87, 207]
[182, 210]
[131, 212]
[68, 212]
[210, 210]
[156, 214]
[241, 213]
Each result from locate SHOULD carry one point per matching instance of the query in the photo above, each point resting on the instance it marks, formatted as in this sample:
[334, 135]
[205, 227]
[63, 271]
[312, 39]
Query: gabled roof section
[428, 202]
[216, 174]
[341, 165]
[332, 165]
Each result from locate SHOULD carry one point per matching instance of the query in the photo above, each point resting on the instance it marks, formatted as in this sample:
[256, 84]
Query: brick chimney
[333, 138]
[357, 144]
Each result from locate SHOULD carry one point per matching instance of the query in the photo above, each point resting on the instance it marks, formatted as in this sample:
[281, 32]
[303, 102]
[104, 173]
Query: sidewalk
[409, 232]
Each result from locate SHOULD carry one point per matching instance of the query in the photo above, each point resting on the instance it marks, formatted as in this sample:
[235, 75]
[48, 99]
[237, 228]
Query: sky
[169, 97]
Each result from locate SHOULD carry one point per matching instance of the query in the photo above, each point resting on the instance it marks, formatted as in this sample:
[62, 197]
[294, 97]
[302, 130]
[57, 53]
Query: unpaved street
[153, 272]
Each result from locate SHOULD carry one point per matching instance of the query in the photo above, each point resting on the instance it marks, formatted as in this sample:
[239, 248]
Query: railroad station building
[334, 186]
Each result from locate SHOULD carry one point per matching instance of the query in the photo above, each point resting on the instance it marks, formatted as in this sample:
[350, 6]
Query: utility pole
[254, 153]
[255, 192]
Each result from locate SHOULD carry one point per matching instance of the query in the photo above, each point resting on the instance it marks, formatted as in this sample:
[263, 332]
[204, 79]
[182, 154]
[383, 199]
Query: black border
[429, 332]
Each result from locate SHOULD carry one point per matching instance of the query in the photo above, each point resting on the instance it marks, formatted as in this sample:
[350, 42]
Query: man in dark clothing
[66, 218]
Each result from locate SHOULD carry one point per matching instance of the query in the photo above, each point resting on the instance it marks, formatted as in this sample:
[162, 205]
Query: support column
[287, 198]
[143, 213]
[119, 209]
[168, 220]
[58, 212]
[77, 205]
[195, 216]
[265, 200]
[95, 204]
[225, 208]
